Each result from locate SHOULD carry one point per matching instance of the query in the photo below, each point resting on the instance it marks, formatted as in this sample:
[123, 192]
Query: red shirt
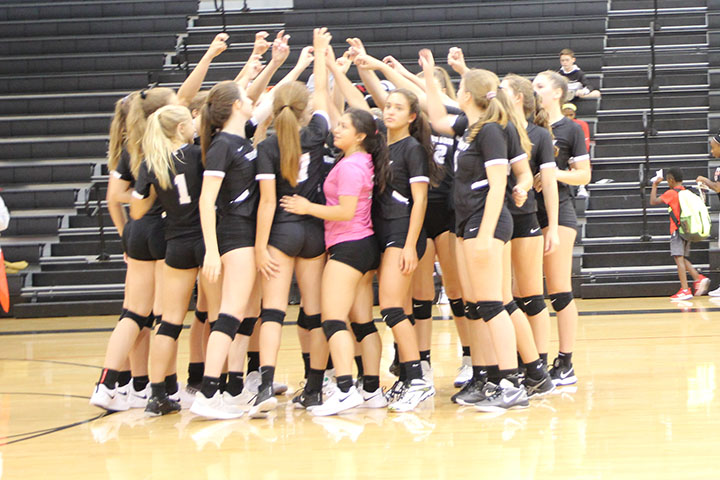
[586, 130]
[671, 199]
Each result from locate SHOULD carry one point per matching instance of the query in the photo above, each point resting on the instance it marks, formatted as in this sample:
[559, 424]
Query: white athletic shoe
[465, 372]
[106, 398]
[214, 408]
[715, 293]
[279, 388]
[122, 397]
[252, 382]
[329, 382]
[427, 372]
[242, 402]
[411, 395]
[374, 399]
[338, 402]
[138, 399]
[393, 392]
[184, 397]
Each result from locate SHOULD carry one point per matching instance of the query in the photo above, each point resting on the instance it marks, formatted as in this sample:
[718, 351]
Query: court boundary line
[658, 311]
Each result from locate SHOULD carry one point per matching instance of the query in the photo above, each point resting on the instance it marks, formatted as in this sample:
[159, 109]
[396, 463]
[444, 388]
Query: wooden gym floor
[644, 407]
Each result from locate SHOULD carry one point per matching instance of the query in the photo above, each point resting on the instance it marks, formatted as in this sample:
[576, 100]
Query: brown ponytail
[289, 104]
[142, 106]
[118, 130]
[216, 111]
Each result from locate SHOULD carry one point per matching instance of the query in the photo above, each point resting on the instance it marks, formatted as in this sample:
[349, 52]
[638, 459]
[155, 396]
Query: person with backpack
[679, 246]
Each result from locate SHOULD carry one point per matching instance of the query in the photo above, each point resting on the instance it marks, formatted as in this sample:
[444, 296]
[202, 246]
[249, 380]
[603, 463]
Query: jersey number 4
[181, 184]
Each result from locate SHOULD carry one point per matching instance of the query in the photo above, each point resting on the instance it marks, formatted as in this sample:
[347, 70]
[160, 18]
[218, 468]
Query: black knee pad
[158, 320]
[457, 306]
[471, 311]
[510, 307]
[331, 327]
[392, 316]
[272, 315]
[226, 324]
[362, 330]
[489, 310]
[201, 316]
[122, 314]
[140, 320]
[312, 322]
[560, 300]
[422, 309]
[247, 326]
[411, 317]
[519, 303]
[150, 321]
[533, 305]
[169, 330]
[302, 319]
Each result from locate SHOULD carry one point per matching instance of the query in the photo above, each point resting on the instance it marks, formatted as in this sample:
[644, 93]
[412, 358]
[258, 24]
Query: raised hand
[280, 48]
[426, 60]
[321, 38]
[306, 57]
[261, 44]
[218, 44]
[456, 60]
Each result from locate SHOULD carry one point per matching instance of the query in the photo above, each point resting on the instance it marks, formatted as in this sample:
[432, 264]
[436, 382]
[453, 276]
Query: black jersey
[542, 156]
[123, 172]
[444, 156]
[408, 165]
[232, 158]
[488, 148]
[570, 142]
[311, 167]
[181, 201]
[516, 154]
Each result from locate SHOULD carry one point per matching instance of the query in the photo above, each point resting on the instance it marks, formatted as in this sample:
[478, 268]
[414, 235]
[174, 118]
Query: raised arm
[352, 95]
[321, 42]
[437, 113]
[280, 52]
[191, 86]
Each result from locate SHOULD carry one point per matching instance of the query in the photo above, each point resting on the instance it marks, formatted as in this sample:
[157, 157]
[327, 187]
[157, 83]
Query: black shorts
[525, 225]
[363, 255]
[503, 231]
[144, 239]
[438, 220]
[304, 239]
[185, 252]
[392, 233]
[235, 232]
[566, 215]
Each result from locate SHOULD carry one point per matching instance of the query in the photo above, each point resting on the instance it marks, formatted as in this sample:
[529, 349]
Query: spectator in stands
[713, 184]
[569, 110]
[578, 85]
[679, 247]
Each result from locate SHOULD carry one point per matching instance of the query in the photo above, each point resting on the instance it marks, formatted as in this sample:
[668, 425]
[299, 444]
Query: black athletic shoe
[264, 402]
[471, 393]
[538, 388]
[161, 406]
[307, 400]
[562, 374]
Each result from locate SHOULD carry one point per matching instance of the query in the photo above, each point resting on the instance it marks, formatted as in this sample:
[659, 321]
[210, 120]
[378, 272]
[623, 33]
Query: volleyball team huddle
[339, 193]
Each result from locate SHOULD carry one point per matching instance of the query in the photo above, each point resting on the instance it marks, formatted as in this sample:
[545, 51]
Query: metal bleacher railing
[649, 125]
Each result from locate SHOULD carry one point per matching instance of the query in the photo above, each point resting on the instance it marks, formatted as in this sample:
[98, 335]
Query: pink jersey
[352, 176]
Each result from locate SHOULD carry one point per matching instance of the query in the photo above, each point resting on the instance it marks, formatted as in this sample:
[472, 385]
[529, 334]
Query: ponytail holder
[285, 106]
[490, 95]
[377, 131]
[143, 94]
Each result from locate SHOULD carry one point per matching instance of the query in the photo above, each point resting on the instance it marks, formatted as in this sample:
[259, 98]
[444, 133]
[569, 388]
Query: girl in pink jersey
[353, 255]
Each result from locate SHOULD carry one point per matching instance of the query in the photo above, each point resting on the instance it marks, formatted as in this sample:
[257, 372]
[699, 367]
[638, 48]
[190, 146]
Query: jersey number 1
[181, 184]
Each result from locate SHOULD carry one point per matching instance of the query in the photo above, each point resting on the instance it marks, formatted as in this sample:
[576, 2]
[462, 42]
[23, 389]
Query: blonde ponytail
[118, 130]
[141, 107]
[289, 104]
[159, 139]
[483, 86]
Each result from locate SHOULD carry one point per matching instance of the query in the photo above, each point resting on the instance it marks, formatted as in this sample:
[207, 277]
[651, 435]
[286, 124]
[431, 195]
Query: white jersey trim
[214, 173]
[420, 179]
[548, 165]
[581, 158]
[496, 161]
[479, 184]
[518, 158]
[135, 194]
[265, 176]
